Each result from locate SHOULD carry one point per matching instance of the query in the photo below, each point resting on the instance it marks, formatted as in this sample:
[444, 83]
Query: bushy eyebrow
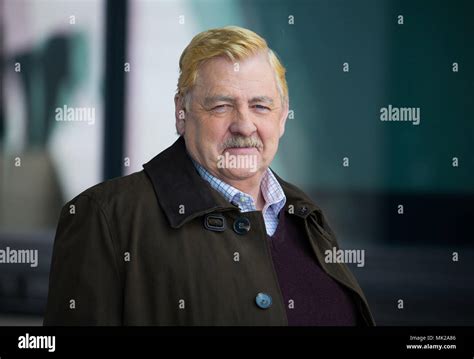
[208, 101]
[261, 99]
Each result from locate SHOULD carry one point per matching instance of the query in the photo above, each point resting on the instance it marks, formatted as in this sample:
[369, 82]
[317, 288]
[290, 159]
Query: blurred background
[119, 59]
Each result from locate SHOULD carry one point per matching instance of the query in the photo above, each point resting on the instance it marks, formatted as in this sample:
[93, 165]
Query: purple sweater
[318, 299]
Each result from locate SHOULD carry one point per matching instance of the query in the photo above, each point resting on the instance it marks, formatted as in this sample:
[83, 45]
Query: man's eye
[262, 108]
[220, 108]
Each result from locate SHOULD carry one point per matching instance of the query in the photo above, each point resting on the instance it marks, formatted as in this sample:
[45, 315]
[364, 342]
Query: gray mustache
[240, 141]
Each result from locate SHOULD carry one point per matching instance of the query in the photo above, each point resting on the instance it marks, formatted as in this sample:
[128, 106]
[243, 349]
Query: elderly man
[207, 234]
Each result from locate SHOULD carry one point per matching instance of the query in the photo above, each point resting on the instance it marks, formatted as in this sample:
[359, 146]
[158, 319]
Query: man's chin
[237, 174]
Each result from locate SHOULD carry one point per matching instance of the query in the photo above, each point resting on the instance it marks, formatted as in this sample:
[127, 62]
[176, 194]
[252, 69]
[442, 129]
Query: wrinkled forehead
[247, 78]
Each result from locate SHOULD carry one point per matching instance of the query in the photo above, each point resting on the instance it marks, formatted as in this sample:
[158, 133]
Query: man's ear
[284, 116]
[179, 114]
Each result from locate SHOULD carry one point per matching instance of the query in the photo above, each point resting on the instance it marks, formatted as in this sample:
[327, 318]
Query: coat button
[263, 300]
[214, 222]
[242, 225]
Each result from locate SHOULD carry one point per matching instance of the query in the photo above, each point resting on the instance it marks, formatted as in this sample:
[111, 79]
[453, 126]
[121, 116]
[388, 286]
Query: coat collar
[184, 195]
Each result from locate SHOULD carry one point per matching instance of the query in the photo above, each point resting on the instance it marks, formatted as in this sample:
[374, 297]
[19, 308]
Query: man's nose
[243, 125]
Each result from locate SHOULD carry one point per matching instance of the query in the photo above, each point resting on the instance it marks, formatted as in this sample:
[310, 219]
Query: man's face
[235, 117]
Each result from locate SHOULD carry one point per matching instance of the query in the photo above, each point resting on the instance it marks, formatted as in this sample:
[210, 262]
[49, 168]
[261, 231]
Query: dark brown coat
[126, 254]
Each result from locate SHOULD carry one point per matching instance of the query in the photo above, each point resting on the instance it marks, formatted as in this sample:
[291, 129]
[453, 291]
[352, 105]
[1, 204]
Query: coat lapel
[177, 184]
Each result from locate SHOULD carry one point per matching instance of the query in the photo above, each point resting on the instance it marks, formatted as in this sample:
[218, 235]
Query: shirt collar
[272, 192]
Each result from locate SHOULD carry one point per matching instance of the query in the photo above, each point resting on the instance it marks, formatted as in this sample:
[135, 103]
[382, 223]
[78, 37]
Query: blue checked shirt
[272, 193]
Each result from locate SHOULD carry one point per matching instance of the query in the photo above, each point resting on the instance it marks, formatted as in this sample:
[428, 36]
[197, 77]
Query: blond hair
[236, 43]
